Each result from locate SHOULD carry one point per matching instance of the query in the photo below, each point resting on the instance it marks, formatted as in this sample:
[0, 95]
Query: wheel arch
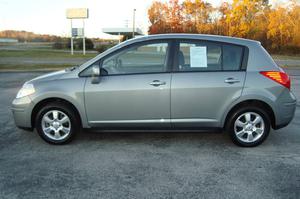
[254, 102]
[43, 102]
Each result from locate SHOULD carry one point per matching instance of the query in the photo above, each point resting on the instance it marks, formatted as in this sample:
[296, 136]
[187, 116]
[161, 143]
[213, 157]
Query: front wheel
[56, 123]
[249, 126]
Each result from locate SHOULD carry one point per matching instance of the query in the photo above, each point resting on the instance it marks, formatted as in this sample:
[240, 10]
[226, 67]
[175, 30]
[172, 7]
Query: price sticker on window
[198, 57]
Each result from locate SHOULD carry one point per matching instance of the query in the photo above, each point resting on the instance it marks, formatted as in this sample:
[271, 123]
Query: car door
[208, 77]
[134, 88]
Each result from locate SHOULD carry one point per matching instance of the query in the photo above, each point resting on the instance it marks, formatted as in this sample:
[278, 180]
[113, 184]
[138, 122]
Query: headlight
[26, 90]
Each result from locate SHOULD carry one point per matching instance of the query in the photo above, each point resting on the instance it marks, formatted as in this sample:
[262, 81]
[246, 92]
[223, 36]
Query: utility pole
[72, 42]
[133, 23]
[83, 37]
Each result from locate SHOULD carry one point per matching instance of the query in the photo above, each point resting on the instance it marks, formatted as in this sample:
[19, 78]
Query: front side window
[147, 58]
[208, 56]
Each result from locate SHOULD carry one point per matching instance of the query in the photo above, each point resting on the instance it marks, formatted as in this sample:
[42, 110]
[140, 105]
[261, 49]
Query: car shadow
[142, 136]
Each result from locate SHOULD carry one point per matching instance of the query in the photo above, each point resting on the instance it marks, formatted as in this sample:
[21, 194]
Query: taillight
[279, 77]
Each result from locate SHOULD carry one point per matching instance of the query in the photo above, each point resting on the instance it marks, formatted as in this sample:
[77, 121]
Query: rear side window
[200, 56]
[209, 56]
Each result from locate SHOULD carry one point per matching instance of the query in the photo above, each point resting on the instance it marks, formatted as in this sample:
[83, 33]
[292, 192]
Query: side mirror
[95, 74]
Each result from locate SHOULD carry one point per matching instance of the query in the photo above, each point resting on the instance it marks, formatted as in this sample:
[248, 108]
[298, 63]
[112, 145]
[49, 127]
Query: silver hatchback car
[171, 81]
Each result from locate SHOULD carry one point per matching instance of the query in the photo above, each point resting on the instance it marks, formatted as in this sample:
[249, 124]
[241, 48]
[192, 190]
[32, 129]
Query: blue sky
[48, 16]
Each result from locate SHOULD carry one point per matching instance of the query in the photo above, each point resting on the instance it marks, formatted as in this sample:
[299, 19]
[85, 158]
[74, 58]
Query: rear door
[208, 77]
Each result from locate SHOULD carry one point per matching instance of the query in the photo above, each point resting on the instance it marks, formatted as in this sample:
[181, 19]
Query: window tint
[147, 58]
[207, 56]
[232, 57]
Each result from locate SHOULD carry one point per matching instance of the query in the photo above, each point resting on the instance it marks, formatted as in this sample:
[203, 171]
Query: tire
[57, 123]
[247, 132]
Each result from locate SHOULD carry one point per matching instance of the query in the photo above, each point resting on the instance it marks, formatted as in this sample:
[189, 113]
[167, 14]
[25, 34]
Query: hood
[50, 76]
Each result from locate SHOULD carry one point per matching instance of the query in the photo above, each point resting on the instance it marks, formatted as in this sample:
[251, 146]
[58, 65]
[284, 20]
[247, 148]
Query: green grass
[13, 67]
[39, 56]
[43, 54]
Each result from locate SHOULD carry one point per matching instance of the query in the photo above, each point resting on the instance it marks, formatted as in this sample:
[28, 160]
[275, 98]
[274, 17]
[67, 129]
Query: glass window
[147, 58]
[89, 70]
[200, 56]
[207, 56]
[232, 57]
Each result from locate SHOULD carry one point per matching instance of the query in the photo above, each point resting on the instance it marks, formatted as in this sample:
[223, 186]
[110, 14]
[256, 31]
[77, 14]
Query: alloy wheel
[249, 127]
[56, 125]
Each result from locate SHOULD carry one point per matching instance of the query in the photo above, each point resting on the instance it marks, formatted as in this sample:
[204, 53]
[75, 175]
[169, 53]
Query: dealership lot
[145, 164]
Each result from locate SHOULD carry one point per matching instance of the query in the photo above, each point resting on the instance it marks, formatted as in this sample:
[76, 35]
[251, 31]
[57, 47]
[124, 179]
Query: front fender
[71, 90]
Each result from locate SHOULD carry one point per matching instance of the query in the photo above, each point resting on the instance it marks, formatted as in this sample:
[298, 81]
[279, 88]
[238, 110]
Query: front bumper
[22, 109]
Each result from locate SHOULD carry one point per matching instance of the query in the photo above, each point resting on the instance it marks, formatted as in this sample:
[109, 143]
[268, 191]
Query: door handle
[157, 83]
[231, 80]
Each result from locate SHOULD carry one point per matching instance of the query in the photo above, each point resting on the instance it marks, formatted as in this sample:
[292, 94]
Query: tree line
[23, 36]
[277, 27]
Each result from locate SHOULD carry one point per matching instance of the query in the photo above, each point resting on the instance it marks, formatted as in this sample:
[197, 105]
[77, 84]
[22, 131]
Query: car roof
[207, 37]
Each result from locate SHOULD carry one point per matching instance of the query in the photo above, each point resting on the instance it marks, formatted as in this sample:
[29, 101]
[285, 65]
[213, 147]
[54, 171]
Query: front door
[134, 88]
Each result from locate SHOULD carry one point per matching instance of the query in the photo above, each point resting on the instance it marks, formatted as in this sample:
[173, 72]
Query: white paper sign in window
[198, 57]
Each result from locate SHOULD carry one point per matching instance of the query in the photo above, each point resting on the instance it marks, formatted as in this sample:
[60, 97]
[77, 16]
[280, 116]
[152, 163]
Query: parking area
[145, 164]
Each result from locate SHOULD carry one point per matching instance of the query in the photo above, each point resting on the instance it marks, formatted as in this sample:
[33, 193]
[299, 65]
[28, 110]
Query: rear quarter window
[232, 57]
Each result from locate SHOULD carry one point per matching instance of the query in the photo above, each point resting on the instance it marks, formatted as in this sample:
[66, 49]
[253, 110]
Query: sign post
[77, 13]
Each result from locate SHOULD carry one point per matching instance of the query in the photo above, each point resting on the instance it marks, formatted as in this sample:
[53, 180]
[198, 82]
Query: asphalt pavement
[143, 164]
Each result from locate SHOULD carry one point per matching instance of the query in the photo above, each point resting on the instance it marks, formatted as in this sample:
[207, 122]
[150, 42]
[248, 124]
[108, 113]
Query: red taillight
[279, 77]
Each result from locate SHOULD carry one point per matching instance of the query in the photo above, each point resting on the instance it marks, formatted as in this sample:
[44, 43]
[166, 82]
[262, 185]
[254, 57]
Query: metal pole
[72, 47]
[133, 23]
[83, 38]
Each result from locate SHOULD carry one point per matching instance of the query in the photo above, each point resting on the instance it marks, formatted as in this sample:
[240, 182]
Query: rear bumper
[281, 126]
[285, 112]
[22, 109]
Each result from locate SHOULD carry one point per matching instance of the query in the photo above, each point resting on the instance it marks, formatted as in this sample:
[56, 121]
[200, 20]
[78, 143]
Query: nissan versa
[177, 81]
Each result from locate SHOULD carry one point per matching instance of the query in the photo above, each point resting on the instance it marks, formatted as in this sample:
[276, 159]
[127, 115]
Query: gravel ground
[143, 164]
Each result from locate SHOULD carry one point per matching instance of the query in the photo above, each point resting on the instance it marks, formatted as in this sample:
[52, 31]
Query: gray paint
[203, 95]
[129, 97]
[193, 99]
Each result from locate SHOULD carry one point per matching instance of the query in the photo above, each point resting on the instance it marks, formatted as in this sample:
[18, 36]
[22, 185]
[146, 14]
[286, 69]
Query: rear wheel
[57, 123]
[249, 126]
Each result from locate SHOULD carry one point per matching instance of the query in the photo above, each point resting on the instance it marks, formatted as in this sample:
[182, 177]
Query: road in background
[145, 165]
